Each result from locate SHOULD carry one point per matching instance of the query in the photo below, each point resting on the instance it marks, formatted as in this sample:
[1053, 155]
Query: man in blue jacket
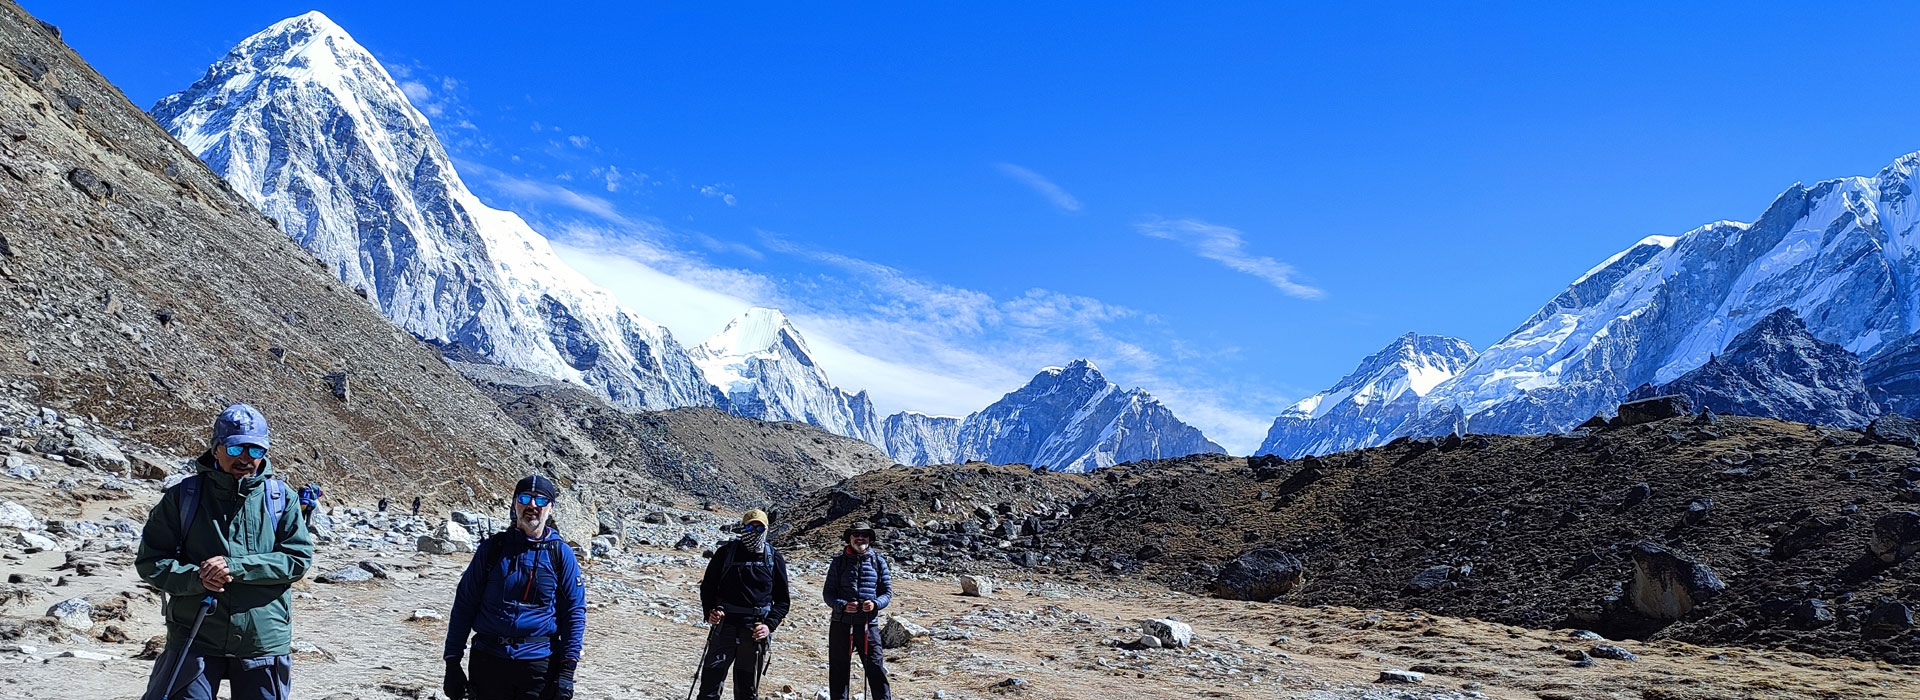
[746, 597]
[858, 587]
[525, 601]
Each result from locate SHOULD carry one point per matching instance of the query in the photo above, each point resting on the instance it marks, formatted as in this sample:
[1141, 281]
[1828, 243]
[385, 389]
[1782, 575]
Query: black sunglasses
[533, 499]
[252, 451]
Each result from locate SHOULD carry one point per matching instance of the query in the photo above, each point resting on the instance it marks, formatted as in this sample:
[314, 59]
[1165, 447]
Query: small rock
[1172, 633]
[155, 645]
[424, 614]
[1888, 618]
[1148, 641]
[113, 634]
[1609, 651]
[85, 655]
[1399, 676]
[1636, 495]
[899, 632]
[378, 569]
[351, 574]
[1587, 635]
[1896, 536]
[1812, 614]
[977, 586]
[73, 613]
[1430, 579]
[687, 541]
[1697, 511]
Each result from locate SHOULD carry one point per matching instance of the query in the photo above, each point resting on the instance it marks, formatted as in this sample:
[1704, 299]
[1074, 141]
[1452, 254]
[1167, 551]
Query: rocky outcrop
[1777, 369]
[1261, 575]
[1651, 409]
[1667, 585]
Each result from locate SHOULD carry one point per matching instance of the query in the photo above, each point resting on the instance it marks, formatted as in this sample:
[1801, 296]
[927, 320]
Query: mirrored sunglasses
[252, 451]
[753, 528]
[533, 499]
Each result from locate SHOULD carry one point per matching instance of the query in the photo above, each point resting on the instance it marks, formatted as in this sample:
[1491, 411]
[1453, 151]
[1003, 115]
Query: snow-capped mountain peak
[1072, 419]
[1843, 255]
[305, 123]
[762, 364]
[1372, 401]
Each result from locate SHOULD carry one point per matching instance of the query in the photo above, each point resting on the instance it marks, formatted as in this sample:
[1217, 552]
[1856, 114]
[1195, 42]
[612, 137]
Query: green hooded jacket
[254, 615]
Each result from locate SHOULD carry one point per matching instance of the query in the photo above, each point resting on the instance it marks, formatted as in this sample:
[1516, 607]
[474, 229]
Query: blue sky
[1226, 205]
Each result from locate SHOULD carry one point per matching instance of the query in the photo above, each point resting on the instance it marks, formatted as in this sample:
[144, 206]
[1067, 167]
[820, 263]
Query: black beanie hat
[535, 483]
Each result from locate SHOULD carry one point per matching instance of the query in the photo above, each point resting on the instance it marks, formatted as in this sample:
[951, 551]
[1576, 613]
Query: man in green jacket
[226, 533]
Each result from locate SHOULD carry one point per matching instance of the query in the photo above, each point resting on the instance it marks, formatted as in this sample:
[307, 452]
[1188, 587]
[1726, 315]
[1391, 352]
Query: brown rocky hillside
[1527, 530]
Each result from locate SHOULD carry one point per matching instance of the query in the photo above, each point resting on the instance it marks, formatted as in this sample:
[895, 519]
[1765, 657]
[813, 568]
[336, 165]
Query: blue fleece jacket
[512, 600]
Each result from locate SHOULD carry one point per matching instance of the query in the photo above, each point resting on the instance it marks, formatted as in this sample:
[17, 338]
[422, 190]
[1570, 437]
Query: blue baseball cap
[240, 424]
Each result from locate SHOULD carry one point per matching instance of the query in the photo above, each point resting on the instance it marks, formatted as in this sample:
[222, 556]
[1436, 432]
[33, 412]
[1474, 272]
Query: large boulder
[1171, 633]
[1888, 618]
[1652, 409]
[1261, 574]
[1896, 536]
[899, 632]
[96, 452]
[17, 516]
[1667, 584]
[1432, 578]
[445, 538]
[1894, 429]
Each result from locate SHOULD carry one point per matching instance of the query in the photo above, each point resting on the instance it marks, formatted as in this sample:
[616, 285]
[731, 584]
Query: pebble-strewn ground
[1059, 639]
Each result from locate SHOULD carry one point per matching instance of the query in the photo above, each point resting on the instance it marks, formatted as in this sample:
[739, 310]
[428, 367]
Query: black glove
[455, 685]
[562, 686]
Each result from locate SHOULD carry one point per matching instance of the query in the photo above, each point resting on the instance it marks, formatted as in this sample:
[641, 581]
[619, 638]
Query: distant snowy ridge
[1072, 419]
[763, 365]
[1842, 255]
[1368, 405]
[1776, 369]
[308, 126]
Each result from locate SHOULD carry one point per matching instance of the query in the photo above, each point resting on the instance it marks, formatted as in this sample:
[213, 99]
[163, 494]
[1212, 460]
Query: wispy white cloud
[1038, 183]
[543, 192]
[717, 192]
[1226, 246]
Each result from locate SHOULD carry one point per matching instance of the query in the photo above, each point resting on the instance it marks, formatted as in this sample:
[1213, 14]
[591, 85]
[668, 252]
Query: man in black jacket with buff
[745, 595]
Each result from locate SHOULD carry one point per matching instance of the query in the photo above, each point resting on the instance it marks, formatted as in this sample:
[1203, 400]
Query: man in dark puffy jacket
[227, 531]
[525, 601]
[745, 595]
[858, 587]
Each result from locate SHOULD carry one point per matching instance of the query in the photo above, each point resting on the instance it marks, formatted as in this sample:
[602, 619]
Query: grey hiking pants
[258, 678]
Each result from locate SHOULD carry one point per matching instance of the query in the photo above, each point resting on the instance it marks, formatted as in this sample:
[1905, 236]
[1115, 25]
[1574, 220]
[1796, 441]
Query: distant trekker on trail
[525, 601]
[226, 548]
[858, 587]
[416, 506]
[309, 497]
[745, 595]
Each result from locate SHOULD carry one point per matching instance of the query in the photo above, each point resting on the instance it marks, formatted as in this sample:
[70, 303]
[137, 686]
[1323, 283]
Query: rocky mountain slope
[142, 291]
[1531, 531]
[1367, 406]
[1072, 419]
[1776, 369]
[762, 364]
[303, 122]
[1840, 254]
[666, 456]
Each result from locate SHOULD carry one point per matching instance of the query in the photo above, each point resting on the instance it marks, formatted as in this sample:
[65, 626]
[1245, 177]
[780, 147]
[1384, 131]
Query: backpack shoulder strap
[276, 501]
[187, 493]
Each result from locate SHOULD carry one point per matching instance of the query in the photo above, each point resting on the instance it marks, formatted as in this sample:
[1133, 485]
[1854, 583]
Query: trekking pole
[860, 659]
[766, 656]
[206, 606]
[701, 666]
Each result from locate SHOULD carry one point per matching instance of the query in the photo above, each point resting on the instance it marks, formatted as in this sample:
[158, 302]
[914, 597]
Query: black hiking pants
[852, 635]
[495, 678]
[733, 645]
